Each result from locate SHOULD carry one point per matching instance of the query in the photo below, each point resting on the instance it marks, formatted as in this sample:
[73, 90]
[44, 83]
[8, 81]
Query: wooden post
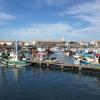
[40, 64]
[80, 74]
[80, 68]
[62, 66]
[15, 65]
[7, 63]
[47, 65]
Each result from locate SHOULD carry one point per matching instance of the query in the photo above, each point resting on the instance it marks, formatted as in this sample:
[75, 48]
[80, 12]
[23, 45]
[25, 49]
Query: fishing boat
[13, 60]
[87, 61]
[16, 64]
[77, 59]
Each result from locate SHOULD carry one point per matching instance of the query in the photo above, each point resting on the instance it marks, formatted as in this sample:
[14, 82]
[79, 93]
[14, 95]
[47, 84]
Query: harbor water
[44, 84]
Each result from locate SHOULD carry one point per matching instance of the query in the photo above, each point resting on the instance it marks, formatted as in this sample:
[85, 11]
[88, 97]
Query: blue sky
[77, 20]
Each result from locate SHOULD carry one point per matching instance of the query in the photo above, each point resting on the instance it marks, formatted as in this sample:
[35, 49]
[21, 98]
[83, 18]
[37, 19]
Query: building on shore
[54, 43]
[49, 43]
[6, 42]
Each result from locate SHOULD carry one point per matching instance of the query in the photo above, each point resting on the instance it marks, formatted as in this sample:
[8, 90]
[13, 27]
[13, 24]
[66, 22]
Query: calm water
[44, 84]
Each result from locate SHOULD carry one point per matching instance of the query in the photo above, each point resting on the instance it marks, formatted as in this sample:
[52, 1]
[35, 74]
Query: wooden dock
[65, 65]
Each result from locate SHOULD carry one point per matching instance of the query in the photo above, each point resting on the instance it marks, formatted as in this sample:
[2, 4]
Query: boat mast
[16, 50]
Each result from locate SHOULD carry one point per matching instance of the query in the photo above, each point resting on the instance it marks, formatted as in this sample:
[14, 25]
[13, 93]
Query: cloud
[87, 12]
[57, 3]
[4, 16]
[39, 31]
[48, 31]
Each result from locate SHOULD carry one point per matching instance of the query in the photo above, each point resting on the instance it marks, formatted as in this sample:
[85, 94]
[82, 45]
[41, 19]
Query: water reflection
[17, 73]
[45, 84]
[36, 72]
[11, 72]
[3, 73]
[98, 81]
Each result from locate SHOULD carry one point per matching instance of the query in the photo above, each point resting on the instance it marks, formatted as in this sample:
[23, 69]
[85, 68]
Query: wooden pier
[65, 65]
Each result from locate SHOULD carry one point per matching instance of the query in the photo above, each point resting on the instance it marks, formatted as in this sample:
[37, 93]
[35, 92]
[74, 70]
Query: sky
[75, 20]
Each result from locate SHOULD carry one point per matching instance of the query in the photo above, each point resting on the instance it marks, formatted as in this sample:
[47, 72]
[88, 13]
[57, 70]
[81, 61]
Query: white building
[29, 43]
[6, 42]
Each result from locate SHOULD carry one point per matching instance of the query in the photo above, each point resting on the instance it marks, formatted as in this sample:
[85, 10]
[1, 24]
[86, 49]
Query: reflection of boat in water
[18, 72]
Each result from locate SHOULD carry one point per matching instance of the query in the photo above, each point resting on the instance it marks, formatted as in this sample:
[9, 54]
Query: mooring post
[80, 74]
[91, 68]
[80, 68]
[40, 64]
[7, 63]
[62, 66]
[47, 65]
[15, 65]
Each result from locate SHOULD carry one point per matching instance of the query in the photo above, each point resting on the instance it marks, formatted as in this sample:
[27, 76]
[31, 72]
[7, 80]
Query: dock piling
[65, 65]
[80, 68]
[15, 65]
[7, 63]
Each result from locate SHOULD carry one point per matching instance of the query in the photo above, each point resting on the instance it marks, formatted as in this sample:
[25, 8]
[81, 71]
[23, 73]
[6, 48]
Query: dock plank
[67, 65]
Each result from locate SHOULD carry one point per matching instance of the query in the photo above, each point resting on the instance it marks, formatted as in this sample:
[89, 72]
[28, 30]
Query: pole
[16, 50]
[7, 63]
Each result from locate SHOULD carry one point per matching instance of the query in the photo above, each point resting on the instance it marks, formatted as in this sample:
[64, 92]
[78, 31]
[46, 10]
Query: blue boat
[84, 62]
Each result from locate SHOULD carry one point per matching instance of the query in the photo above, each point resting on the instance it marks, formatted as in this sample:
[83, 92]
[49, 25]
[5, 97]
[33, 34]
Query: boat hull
[16, 64]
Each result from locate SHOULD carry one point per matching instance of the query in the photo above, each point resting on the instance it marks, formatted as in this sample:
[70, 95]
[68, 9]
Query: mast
[16, 50]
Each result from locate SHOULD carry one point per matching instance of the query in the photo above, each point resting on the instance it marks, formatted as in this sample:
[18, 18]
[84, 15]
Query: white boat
[76, 56]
